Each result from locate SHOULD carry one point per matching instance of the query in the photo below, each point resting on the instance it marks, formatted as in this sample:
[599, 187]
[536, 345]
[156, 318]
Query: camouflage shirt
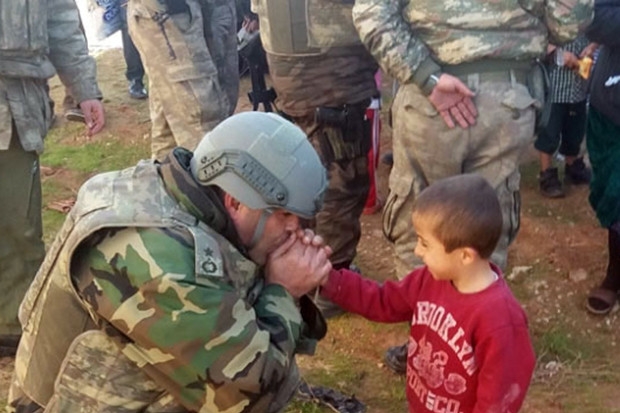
[412, 39]
[220, 341]
[341, 75]
[156, 262]
[38, 38]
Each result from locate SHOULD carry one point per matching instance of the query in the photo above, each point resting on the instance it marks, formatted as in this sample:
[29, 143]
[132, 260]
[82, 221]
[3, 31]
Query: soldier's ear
[231, 204]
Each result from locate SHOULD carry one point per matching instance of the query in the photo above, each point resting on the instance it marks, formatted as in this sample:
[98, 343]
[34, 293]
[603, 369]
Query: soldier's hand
[297, 266]
[93, 115]
[453, 101]
[308, 237]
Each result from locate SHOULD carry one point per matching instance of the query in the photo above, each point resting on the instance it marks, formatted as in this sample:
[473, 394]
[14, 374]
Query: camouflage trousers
[192, 65]
[21, 245]
[426, 150]
[338, 222]
[95, 377]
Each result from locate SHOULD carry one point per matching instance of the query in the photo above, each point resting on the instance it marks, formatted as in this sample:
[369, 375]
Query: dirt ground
[558, 256]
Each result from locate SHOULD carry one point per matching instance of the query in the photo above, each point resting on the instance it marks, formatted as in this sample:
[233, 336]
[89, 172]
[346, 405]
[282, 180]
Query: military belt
[492, 70]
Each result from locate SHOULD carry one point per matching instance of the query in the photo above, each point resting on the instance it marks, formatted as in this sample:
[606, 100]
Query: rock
[516, 271]
[578, 275]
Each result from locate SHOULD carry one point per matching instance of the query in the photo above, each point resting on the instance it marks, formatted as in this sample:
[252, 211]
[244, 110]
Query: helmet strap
[260, 228]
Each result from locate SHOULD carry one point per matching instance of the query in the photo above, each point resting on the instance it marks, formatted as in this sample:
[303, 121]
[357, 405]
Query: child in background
[469, 346]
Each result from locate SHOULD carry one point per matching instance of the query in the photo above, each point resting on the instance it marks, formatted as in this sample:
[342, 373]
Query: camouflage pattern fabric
[191, 62]
[338, 221]
[334, 78]
[412, 40]
[337, 77]
[206, 331]
[305, 27]
[426, 150]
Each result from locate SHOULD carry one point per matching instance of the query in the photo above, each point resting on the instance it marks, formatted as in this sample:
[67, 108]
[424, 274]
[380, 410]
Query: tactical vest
[23, 39]
[51, 313]
[305, 27]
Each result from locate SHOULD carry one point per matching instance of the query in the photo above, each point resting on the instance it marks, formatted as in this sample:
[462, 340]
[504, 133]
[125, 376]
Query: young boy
[469, 347]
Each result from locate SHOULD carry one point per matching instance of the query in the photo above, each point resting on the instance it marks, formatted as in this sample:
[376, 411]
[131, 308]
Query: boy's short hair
[463, 211]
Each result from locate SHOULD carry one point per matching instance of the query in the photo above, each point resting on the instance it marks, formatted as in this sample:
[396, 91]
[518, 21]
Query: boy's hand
[298, 266]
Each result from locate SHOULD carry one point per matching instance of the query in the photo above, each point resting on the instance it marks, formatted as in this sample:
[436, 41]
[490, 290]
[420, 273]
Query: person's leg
[134, 69]
[602, 299]
[338, 222]
[546, 144]
[220, 31]
[576, 172]
[21, 245]
[181, 74]
[496, 145]
[604, 151]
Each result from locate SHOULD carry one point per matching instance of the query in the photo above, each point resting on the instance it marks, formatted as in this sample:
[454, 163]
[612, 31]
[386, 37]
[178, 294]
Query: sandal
[601, 301]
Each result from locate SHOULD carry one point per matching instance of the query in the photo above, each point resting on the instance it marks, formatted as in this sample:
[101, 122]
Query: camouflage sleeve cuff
[423, 74]
[275, 303]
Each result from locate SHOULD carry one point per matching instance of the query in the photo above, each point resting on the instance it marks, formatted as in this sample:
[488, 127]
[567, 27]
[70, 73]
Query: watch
[430, 84]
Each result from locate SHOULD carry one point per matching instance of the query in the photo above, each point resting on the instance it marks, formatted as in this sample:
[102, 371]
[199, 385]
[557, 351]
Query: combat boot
[549, 183]
[577, 173]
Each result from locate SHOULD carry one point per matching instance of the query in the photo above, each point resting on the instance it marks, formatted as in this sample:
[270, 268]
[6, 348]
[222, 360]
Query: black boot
[550, 185]
[577, 173]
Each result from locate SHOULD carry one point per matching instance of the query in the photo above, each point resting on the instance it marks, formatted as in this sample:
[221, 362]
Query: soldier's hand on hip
[453, 100]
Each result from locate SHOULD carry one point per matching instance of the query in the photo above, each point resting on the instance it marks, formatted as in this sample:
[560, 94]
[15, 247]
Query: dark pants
[21, 244]
[566, 129]
[338, 222]
[135, 69]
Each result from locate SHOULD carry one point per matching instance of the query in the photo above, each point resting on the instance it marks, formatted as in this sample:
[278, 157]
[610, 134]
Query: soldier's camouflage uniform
[326, 71]
[146, 302]
[37, 39]
[189, 52]
[489, 46]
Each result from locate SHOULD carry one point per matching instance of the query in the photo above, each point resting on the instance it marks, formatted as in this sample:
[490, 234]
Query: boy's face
[442, 265]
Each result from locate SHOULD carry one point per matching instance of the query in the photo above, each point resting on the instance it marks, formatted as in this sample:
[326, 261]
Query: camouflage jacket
[38, 38]
[314, 53]
[412, 39]
[181, 299]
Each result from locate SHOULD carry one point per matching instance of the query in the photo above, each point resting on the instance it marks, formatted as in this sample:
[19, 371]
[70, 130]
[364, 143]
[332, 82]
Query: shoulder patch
[208, 255]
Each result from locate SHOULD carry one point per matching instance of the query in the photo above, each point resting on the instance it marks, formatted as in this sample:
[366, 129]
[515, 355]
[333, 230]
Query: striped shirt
[566, 84]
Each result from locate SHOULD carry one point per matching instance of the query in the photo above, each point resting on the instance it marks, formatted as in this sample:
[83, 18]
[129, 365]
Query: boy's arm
[506, 361]
[389, 302]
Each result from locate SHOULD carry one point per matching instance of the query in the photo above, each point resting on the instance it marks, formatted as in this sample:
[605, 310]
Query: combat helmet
[263, 161]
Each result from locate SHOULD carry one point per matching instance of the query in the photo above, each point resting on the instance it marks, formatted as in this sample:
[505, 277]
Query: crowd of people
[189, 282]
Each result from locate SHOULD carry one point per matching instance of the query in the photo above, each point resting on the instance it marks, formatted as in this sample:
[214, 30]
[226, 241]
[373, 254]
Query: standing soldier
[189, 51]
[37, 39]
[462, 64]
[324, 78]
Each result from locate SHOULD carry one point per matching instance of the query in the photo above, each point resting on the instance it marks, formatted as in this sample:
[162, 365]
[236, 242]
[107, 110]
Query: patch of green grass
[558, 344]
[52, 221]
[300, 406]
[104, 154]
